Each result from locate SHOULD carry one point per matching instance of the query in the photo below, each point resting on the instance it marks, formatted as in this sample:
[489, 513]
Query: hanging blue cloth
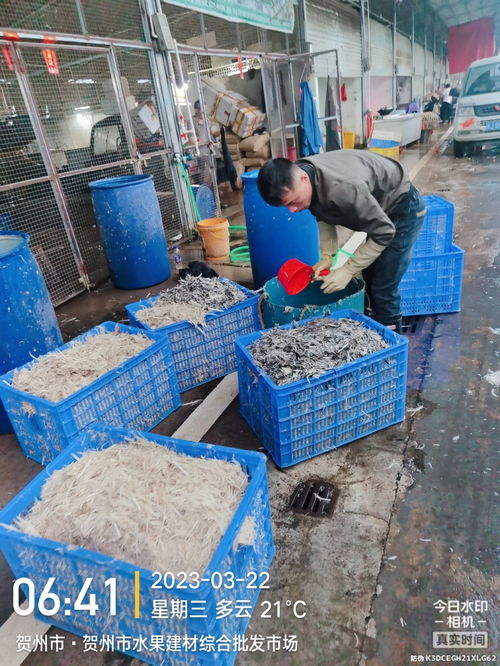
[311, 141]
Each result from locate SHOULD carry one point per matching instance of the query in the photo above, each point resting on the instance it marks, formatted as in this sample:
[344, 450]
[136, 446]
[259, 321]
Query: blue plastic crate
[305, 418]
[203, 354]
[433, 285]
[436, 235]
[38, 559]
[139, 393]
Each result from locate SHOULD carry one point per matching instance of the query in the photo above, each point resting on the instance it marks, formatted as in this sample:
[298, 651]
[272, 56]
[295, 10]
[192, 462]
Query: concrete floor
[415, 519]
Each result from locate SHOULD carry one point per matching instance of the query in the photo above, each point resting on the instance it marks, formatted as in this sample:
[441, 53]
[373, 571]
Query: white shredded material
[142, 503]
[493, 378]
[190, 300]
[163, 313]
[57, 375]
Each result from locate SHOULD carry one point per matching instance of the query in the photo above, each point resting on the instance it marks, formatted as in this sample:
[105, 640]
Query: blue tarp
[312, 141]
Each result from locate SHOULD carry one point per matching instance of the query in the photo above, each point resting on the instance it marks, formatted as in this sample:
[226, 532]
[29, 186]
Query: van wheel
[459, 148]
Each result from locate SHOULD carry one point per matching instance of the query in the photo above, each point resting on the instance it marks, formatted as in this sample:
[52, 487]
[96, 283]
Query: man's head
[447, 85]
[197, 108]
[282, 183]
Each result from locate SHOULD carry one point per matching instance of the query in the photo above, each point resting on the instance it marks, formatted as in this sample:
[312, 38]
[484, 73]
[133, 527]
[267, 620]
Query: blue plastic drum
[276, 235]
[132, 234]
[29, 323]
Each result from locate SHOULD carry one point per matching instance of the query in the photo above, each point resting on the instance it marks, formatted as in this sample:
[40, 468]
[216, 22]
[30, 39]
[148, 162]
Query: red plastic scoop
[295, 275]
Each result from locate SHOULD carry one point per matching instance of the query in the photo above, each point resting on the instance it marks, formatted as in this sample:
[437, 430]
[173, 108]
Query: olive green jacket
[357, 189]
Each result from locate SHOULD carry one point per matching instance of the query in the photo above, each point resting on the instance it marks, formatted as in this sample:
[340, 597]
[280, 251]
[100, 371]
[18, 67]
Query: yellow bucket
[385, 147]
[349, 139]
[214, 233]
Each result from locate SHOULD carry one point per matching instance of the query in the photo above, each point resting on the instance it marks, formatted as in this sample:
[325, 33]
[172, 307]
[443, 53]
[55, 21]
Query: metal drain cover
[313, 498]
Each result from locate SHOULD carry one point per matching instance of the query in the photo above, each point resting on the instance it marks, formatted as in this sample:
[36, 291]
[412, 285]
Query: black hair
[273, 178]
[197, 104]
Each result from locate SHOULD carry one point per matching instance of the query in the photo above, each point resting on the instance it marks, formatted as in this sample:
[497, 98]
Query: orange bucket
[214, 233]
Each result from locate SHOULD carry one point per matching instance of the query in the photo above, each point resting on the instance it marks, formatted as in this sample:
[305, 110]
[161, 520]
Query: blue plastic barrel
[276, 235]
[278, 307]
[132, 234]
[28, 321]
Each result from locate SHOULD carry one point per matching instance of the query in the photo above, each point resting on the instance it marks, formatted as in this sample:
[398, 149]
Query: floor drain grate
[313, 498]
[412, 324]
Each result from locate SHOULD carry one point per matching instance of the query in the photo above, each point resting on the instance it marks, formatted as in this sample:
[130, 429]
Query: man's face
[299, 196]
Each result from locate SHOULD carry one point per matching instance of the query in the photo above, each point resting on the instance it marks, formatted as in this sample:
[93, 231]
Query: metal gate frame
[274, 61]
[135, 160]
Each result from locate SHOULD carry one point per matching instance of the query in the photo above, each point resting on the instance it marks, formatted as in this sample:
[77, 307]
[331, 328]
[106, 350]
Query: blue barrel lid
[383, 143]
[120, 181]
[250, 175]
[12, 242]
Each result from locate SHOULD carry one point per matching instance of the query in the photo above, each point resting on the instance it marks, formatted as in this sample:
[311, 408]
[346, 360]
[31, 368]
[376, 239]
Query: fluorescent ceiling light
[81, 81]
[81, 108]
[143, 81]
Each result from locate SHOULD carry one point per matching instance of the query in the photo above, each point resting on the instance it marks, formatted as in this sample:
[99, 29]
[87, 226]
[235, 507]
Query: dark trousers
[445, 112]
[382, 278]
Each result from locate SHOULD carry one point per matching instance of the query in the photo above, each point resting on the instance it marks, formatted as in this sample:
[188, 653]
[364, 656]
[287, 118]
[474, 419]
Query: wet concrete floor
[415, 523]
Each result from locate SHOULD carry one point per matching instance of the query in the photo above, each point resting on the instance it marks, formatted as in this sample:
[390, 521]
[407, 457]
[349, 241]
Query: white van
[477, 117]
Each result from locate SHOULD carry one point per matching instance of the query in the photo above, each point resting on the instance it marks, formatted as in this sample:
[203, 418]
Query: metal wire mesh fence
[119, 20]
[34, 210]
[81, 112]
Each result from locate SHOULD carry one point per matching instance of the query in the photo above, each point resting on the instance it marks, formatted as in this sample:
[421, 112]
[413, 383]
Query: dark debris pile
[312, 349]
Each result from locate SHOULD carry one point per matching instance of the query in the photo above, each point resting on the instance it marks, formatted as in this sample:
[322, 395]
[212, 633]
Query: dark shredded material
[314, 348]
[209, 293]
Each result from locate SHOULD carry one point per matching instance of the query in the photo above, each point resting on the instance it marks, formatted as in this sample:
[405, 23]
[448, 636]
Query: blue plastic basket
[433, 285]
[138, 393]
[38, 559]
[436, 235]
[203, 354]
[305, 418]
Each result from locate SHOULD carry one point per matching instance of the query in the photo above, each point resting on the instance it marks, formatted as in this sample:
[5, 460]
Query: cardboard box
[145, 120]
[227, 107]
[247, 120]
[211, 96]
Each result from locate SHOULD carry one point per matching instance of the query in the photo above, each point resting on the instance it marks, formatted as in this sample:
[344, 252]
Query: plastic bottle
[177, 259]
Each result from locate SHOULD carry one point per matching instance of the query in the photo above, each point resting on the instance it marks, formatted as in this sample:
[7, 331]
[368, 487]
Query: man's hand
[323, 264]
[337, 280]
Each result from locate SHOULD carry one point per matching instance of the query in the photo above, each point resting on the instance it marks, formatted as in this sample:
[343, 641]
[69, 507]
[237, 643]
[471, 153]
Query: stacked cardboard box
[232, 109]
[256, 151]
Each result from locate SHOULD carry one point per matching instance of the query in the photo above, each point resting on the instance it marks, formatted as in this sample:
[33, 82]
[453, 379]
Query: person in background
[446, 101]
[205, 143]
[362, 191]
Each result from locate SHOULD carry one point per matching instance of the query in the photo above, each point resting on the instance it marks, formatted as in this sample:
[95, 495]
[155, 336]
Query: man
[446, 102]
[362, 191]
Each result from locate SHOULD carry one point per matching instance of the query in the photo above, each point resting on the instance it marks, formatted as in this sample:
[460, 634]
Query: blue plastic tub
[436, 235]
[28, 321]
[278, 307]
[302, 419]
[201, 354]
[129, 219]
[276, 235]
[433, 284]
[139, 393]
[233, 574]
